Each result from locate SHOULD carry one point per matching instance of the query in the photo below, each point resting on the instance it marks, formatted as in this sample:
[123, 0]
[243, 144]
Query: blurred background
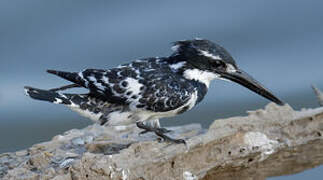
[278, 42]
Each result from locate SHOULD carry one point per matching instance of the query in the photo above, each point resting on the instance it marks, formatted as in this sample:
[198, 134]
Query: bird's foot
[159, 132]
[163, 130]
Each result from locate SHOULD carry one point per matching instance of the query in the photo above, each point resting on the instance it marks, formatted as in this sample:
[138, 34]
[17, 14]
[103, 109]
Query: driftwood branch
[319, 95]
[271, 142]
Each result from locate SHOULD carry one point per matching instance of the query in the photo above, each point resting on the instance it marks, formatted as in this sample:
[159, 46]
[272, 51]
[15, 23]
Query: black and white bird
[146, 90]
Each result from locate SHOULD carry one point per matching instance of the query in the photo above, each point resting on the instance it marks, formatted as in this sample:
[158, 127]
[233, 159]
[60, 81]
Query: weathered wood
[270, 142]
[319, 95]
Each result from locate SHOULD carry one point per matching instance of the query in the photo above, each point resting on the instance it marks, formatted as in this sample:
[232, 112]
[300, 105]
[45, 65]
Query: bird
[145, 90]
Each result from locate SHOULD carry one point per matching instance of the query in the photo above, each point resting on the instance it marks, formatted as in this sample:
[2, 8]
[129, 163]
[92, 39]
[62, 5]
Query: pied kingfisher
[148, 89]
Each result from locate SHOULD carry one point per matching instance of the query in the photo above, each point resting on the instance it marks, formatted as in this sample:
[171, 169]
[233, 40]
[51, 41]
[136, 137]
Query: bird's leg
[65, 87]
[155, 124]
[159, 132]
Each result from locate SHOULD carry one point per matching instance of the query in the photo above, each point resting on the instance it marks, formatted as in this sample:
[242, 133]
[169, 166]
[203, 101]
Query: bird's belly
[87, 113]
[125, 116]
[118, 118]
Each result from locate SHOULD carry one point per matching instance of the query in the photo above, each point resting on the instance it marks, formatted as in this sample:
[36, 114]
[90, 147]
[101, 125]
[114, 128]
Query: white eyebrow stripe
[207, 54]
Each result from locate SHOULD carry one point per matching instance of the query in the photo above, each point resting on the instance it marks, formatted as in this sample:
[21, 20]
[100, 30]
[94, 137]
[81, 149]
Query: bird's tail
[70, 76]
[51, 96]
[84, 104]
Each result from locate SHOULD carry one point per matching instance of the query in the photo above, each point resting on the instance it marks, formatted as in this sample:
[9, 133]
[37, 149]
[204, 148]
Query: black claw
[167, 138]
[180, 141]
[159, 132]
[159, 139]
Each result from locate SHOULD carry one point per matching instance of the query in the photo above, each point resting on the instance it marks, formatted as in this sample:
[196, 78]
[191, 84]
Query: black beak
[247, 81]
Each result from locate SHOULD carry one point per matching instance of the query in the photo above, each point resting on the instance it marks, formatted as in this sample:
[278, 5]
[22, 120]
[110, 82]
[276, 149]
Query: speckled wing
[164, 91]
[146, 84]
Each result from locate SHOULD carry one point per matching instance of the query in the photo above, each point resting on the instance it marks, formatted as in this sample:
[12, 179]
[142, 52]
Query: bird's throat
[204, 77]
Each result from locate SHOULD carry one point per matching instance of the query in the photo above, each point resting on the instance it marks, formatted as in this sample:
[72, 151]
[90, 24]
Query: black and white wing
[143, 84]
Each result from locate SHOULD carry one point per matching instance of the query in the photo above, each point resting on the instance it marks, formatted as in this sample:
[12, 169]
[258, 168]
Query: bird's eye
[218, 64]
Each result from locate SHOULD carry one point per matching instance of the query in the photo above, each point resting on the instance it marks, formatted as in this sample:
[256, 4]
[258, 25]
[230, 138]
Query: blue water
[278, 42]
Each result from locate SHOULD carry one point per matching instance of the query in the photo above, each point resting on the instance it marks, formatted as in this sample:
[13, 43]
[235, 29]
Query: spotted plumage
[151, 88]
[147, 87]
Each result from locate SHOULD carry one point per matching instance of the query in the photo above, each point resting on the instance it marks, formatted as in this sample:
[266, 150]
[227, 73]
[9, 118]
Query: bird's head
[206, 61]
